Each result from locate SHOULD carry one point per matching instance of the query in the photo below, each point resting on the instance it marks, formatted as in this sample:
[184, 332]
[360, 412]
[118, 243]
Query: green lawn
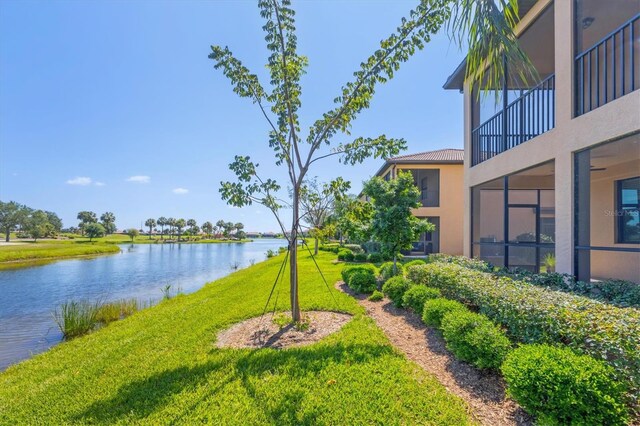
[22, 254]
[161, 366]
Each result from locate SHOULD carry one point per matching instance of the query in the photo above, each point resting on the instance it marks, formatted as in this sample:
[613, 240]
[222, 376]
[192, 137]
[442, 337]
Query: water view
[28, 296]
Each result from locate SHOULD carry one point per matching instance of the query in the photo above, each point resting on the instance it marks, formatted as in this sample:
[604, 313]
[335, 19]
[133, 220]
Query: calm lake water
[28, 296]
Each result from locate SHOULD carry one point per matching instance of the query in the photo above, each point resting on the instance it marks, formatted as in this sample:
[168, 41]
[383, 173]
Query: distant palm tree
[172, 223]
[108, 220]
[220, 226]
[162, 222]
[180, 224]
[151, 223]
[207, 228]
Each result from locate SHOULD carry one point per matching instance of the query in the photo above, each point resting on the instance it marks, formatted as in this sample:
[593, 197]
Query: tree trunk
[315, 248]
[395, 267]
[7, 233]
[293, 261]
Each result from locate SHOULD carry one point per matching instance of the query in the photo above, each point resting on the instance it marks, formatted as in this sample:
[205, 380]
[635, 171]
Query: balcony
[529, 115]
[609, 69]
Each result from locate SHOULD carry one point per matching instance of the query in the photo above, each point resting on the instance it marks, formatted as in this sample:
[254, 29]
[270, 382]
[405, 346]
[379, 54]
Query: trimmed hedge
[561, 387]
[475, 339]
[537, 315]
[386, 270]
[617, 292]
[374, 257]
[360, 257]
[395, 287]
[351, 269]
[435, 309]
[417, 295]
[376, 296]
[415, 262]
[344, 253]
[362, 282]
[475, 264]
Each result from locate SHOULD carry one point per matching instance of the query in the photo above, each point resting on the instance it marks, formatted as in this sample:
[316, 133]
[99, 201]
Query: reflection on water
[28, 296]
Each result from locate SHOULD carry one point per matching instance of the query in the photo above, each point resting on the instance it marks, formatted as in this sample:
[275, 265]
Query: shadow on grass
[139, 399]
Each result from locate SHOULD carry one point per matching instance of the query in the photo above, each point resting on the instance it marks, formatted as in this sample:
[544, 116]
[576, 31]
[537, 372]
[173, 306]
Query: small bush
[76, 318]
[376, 296]
[561, 387]
[360, 257]
[354, 248]
[415, 262]
[350, 269]
[374, 257]
[386, 270]
[395, 288]
[475, 264]
[532, 314]
[475, 339]
[343, 253]
[417, 295]
[435, 309]
[362, 282]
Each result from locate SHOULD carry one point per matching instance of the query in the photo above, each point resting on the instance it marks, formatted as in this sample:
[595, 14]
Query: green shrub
[374, 257]
[76, 318]
[354, 248]
[533, 314]
[386, 270]
[415, 262]
[360, 257]
[417, 295]
[435, 309]
[349, 256]
[376, 296]
[561, 387]
[362, 282]
[350, 269]
[475, 264]
[395, 287]
[475, 339]
[343, 253]
[616, 292]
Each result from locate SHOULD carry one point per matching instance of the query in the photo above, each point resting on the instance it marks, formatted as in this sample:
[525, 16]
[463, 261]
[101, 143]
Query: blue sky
[114, 106]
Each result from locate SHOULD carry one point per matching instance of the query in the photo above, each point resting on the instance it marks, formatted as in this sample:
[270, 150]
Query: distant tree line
[171, 227]
[28, 221]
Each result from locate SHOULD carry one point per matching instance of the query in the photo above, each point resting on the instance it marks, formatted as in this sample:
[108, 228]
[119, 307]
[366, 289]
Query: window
[628, 210]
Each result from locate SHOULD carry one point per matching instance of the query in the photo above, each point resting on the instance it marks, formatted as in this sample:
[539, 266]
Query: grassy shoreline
[20, 255]
[161, 365]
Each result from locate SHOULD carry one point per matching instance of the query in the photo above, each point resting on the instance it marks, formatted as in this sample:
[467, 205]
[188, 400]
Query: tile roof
[448, 155]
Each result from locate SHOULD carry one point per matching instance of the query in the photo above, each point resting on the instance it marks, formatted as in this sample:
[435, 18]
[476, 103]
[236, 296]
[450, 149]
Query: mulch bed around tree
[484, 391]
[263, 332]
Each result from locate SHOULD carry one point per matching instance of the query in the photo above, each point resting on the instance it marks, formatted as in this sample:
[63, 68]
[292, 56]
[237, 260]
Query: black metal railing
[530, 115]
[609, 69]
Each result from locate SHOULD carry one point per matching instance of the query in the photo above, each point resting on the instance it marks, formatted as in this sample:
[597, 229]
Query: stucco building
[552, 169]
[439, 176]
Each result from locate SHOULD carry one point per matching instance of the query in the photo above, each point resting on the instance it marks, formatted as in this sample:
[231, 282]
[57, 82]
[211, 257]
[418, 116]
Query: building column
[466, 227]
[564, 179]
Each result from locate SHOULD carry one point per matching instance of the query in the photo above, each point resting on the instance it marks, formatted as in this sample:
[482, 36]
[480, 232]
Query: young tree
[487, 30]
[393, 224]
[12, 214]
[317, 203]
[151, 224]
[180, 224]
[37, 225]
[352, 218]
[162, 222]
[94, 230]
[108, 220]
[207, 228]
[86, 218]
[132, 233]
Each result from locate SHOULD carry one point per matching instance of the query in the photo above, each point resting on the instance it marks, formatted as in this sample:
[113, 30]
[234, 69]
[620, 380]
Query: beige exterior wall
[451, 207]
[608, 122]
